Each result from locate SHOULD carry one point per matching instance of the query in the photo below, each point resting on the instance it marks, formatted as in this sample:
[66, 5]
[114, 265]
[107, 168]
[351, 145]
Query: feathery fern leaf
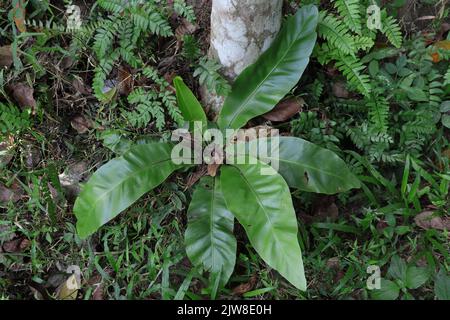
[364, 43]
[336, 33]
[208, 74]
[184, 10]
[447, 77]
[352, 69]
[350, 11]
[378, 114]
[391, 29]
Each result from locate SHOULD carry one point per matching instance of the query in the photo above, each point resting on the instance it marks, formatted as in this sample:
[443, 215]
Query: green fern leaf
[364, 43]
[447, 77]
[352, 69]
[184, 10]
[391, 29]
[208, 73]
[336, 33]
[378, 115]
[350, 11]
[114, 6]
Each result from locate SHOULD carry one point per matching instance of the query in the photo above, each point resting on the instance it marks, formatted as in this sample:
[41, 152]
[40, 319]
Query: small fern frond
[147, 108]
[184, 10]
[336, 33]
[13, 120]
[350, 11]
[391, 29]
[208, 74]
[378, 114]
[103, 39]
[364, 43]
[113, 6]
[447, 77]
[352, 69]
[435, 91]
[100, 73]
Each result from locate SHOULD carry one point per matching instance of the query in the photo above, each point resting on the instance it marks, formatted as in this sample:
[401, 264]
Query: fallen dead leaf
[125, 81]
[194, 177]
[13, 194]
[16, 245]
[212, 169]
[66, 63]
[333, 263]
[80, 86]
[68, 290]
[285, 110]
[340, 90]
[81, 124]
[428, 220]
[185, 28]
[31, 155]
[6, 58]
[445, 27]
[23, 94]
[245, 287]
[325, 208]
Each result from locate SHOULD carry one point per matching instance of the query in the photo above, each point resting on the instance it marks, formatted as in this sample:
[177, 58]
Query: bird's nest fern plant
[261, 203]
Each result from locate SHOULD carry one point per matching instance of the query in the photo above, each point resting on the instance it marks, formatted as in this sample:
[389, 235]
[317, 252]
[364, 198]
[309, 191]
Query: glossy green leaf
[416, 277]
[263, 205]
[397, 268]
[209, 235]
[119, 183]
[190, 107]
[389, 291]
[308, 167]
[446, 121]
[442, 285]
[262, 85]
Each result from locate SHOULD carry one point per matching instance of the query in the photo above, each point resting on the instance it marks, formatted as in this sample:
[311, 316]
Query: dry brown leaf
[81, 87]
[212, 169]
[23, 94]
[16, 245]
[70, 179]
[81, 124]
[69, 289]
[31, 154]
[445, 27]
[285, 110]
[19, 15]
[245, 287]
[340, 90]
[325, 208]
[429, 220]
[197, 175]
[6, 58]
[66, 63]
[125, 81]
[13, 194]
[185, 28]
[98, 292]
[333, 263]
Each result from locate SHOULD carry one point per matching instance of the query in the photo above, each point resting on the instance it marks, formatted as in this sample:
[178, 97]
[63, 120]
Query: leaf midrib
[136, 172]
[262, 206]
[252, 95]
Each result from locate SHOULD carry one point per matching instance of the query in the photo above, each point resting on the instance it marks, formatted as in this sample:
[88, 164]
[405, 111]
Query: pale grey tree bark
[240, 31]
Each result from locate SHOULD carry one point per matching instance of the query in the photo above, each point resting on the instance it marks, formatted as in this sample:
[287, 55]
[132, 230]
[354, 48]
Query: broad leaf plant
[262, 204]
